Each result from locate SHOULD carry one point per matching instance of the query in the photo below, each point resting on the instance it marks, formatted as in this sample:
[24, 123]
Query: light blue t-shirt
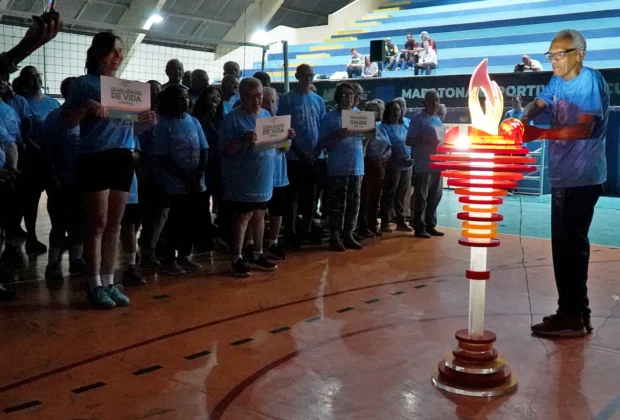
[423, 138]
[576, 163]
[344, 157]
[97, 134]
[133, 191]
[306, 113]
[377, 146]
[63, 145]
[3, 143]
[12, 123]
[397, 136]
[280, 175]
[248, 175]
[229, 104]
[182, 139]
[21, 106]
[40, 109]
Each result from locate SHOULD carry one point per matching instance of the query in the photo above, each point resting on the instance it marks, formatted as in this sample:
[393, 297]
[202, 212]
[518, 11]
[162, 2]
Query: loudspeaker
[377, 51]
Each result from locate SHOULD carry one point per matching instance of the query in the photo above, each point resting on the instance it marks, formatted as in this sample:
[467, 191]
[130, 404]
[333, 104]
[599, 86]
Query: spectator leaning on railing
[528, 64]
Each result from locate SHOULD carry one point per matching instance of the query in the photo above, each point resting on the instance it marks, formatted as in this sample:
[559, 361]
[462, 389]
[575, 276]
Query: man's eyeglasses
[559, 55]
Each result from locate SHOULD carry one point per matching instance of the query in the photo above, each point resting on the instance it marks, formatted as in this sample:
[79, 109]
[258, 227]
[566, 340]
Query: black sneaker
[35, 247]
[587, 322]
[422, 234]
[276, 252]
[435, 232]
[365, 233]
[357, 237]
[261, 263]
[335, 244]
[351, 243]
[561, 326]
[240, 268]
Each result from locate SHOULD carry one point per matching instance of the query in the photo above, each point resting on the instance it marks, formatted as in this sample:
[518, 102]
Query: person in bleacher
[426, 132]
[306, 109]
[174, 71]
[408, 54]
[427, 59]
[355, 66]
[577, 98]
[528, 64]
[370, 69]
[391, 52]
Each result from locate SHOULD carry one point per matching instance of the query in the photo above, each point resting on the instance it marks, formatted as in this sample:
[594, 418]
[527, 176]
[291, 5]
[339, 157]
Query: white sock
[129, 258]
[257, 254]
[76, 252]
[107, 279]
[272, 242]
[54, 256]
[93, 282]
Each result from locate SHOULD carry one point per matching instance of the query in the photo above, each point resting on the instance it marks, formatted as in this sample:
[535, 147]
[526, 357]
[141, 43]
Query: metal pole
[262, 66]
[287, 87]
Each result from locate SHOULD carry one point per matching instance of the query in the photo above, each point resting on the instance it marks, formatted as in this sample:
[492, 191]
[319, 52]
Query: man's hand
[43, 29]
[250, 137]
[291, 134]
[95, 109]
[147, 117]
[531, 133]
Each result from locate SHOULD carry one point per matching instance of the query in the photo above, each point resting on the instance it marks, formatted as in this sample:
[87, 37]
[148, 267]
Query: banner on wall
[453, 90]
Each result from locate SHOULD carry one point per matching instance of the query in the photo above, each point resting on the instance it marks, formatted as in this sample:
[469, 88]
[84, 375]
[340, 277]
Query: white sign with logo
[272, 130]
[360, 121]
[125, 99]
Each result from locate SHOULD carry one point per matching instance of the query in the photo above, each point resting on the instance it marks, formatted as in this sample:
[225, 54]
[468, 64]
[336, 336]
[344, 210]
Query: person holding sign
[345, 169]
[398, 173]
[277, 204]
[247, 175]
[180, 147]
[104, 166]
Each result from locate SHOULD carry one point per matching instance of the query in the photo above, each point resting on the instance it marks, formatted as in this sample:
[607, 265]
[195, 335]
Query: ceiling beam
[206, 20]
[305, 12]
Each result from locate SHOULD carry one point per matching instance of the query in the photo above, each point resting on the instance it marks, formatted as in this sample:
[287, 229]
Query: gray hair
[579, 42]
[249, 83]
[442, 111]
[401, 101]
[270, 91]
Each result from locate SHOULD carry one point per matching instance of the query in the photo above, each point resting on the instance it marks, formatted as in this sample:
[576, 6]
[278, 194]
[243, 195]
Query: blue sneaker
[116, 294]
[100, 299]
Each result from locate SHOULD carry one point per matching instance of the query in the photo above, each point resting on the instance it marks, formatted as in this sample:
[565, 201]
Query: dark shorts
[108, 170]
[153, 196]
[240, 207]
[277, 204]
[132, 215]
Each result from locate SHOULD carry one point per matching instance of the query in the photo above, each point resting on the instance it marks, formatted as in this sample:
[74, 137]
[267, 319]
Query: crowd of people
[421, 57]
[195, 154]
[188, 177]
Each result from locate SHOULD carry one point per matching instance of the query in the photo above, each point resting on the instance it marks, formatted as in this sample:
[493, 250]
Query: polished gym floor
[328, 336]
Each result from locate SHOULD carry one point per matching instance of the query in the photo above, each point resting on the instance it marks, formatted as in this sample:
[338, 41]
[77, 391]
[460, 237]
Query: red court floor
[328, 336]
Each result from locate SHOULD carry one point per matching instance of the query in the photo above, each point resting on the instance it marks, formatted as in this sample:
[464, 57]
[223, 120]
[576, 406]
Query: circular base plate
[475, 369]
[509, 387]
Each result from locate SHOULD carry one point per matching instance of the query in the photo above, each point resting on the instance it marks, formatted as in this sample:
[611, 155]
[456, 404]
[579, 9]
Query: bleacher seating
[466, 32]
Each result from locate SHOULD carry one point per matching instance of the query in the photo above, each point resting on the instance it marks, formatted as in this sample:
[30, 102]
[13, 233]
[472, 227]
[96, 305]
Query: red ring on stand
[492, 243]
[492, 202]
[478, 275]
[494, 217]
[467, 157]
[467, 191]
[472, 184]
[481, 149]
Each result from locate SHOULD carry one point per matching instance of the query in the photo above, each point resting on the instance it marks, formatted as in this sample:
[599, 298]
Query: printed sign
[358, 120]
[272, 130]
[125, 99]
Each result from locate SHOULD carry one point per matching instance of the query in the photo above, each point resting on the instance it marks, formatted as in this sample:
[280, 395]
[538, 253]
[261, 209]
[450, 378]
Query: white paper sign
[272, 130]
[125, 99]
[358, 120]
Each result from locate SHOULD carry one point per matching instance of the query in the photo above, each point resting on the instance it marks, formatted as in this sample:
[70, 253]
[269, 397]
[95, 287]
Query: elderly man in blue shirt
[578, 99]
[426, 132]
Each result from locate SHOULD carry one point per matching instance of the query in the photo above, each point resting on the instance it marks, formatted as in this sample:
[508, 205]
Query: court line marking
[609, 410]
